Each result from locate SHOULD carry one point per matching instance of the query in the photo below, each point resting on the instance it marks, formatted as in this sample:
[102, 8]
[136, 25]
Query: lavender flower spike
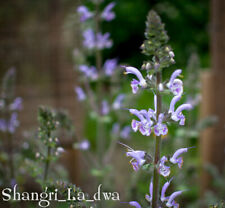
[149, 197]
[175, 159]
[135, 83]
[175, 85]
[135, 204]
[163, 192]
[84, 13]
[107, 13]
[80, 93]
[171, 201]
[163, 169]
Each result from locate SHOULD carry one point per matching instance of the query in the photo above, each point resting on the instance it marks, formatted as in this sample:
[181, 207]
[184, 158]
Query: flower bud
[171, 54]
[37, 155]
[148, 66]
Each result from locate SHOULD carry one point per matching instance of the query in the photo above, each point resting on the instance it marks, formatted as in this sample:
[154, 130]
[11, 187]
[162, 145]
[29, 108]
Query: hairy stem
[47, 163]
[157, 148]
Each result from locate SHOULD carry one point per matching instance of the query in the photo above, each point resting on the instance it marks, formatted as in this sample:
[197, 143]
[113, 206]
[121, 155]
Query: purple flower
[13, 123]
[178, 115]
[138, 157]
[80, 93]
[163, 192]
[135, 204]
[89, 72]
[115, 129]
[89, 39]
[13, 182]
[163, 169]
[107, 13]
[149, 197]
[159, 128]
[125, 133]
[136, 83]
[109, 66]
[175, 159]
[175, 85]
[16, 105]
[103, 41]
[59, 151]
[145, 123]
[3, 125]
[117, 104]
[105, 107]
[83, 145]
[171, 201]
[84, 13]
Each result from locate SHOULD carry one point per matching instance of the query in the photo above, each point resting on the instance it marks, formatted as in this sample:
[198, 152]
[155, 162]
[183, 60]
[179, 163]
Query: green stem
[47, 163]
[11, 158]
[157, 148]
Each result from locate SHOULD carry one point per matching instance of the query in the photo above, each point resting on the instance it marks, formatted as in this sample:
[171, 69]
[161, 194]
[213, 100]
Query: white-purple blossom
[125, 132]
[176, 159]
[80, 93]
[163, 169]
[117, 104]
[138, 157]
[178, 115]
[16, 105]
[163, 191]
[107, 13]
[98, 41]
[145, 123]
[13, 122]
[103, 41]
[3, 125]
[175, 85]
[135, 204]
[149, 197]
[115, 129]
[105, 107]
[89, 39]
[160, 128]
[83, 145]
[171, 202]
[136, 83]
[89, 72]
[84, 13]
[110, 66]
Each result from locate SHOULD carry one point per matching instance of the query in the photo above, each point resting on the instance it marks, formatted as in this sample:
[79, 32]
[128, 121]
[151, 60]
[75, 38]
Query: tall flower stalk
[9, 108]
[160, 56]
[99, 89]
